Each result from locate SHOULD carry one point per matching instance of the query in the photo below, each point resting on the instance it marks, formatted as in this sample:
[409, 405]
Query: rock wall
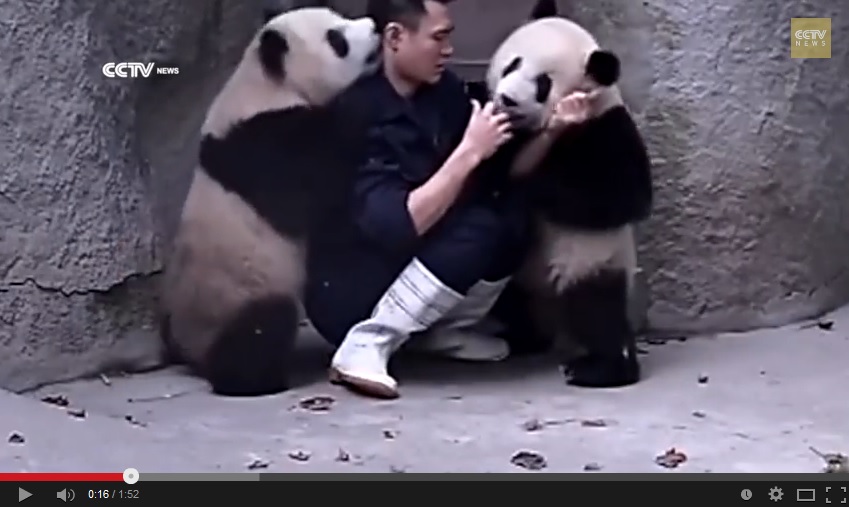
[750, 226]
[92, 172]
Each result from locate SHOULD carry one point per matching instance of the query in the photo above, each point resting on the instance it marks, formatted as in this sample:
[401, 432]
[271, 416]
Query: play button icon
[23, 494]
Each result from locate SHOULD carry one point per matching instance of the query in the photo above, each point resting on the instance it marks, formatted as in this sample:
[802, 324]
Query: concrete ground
[755, 402]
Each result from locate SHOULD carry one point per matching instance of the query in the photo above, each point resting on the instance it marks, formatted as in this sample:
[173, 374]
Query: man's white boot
[414, 302]
[454, 335]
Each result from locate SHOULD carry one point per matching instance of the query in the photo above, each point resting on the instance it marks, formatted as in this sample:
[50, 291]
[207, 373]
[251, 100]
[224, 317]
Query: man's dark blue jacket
[408, 139]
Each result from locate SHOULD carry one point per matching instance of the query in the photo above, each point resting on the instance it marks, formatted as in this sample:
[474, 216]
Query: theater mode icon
[806, 495]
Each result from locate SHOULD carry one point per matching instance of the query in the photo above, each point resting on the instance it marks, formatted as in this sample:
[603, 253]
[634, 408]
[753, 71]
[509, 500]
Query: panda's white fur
[579, 253]
[563, 256]
[233, 282]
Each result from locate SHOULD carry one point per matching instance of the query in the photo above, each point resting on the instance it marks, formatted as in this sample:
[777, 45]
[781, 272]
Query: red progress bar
[61, 477]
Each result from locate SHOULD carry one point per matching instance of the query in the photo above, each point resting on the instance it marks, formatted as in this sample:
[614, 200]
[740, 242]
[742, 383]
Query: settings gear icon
[775, 494]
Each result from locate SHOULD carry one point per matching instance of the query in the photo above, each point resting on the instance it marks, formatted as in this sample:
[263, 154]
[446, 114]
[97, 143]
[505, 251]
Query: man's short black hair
[405, 12]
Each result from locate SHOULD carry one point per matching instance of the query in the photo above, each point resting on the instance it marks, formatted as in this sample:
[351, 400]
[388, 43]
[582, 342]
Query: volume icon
[66, 495]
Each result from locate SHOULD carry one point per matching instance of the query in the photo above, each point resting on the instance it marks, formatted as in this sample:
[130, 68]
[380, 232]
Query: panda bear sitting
[591, 186]
[274, 166]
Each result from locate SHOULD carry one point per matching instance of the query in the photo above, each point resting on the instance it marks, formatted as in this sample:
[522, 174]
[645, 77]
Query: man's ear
[392, 33]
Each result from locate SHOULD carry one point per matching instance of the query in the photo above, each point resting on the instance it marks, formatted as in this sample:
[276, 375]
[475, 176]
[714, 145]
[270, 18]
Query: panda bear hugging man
[274, 165]
[591, 185]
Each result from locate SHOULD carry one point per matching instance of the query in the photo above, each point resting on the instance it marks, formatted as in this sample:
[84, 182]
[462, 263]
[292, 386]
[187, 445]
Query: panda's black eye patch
[272, 49]
[513, 66]
[337, 41]
[543, 82]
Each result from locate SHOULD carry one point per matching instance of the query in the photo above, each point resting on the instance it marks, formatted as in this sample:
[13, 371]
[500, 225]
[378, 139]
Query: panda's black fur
[590, 188]
[274, 166]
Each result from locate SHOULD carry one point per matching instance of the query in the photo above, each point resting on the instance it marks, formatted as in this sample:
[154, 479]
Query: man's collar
[389, 102]
[422, 89]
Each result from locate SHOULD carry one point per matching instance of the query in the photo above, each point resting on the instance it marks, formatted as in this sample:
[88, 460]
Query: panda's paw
[602, 372]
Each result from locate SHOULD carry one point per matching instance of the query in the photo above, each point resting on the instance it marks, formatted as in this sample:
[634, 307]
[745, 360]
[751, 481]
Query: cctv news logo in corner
[810, 38]
[136, 70]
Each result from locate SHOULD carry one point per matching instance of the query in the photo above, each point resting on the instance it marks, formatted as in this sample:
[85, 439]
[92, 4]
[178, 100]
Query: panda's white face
[537, 65]
[317, 52]
[524, 91]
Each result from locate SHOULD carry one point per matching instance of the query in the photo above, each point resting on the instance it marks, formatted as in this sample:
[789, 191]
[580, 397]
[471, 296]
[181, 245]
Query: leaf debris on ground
[321, 403]
[703, 379]
[533, 425]
[257, 463]
[60, 400]
[130, 418]
[77, 413]
[594, 423]
[592, 467]
[538, 424]
[389, 434]
[671, 458]
[162, 397]
[397, 469]
[342, 456]
[699, 414]
[529, 460]
[16, 438]
[300, 455]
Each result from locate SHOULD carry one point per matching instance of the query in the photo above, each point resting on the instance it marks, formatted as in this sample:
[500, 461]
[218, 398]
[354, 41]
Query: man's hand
[486, 131]
[571, 110]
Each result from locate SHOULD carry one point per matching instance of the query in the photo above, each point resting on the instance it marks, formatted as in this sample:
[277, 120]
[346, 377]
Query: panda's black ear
[603, 67]
[272, 50]
[544, 9]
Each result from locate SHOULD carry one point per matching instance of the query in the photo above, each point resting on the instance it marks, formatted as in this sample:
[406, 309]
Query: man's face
[422, 52]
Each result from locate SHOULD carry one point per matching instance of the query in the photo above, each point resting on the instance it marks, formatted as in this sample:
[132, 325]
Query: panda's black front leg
[517, 310]
[594, 313]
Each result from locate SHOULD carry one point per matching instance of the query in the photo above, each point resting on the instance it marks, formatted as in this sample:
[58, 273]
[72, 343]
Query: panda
[591, 187]
[274, 166]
